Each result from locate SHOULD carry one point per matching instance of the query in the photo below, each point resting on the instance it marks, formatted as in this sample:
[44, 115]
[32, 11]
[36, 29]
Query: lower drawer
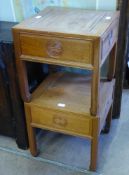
[62, 122]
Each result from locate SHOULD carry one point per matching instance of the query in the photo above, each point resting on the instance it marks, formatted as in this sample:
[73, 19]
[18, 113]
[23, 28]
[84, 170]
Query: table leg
[31, 132]
[94, 144]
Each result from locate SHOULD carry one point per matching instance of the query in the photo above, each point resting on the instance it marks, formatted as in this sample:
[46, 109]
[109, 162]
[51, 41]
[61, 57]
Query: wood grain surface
[69, 103]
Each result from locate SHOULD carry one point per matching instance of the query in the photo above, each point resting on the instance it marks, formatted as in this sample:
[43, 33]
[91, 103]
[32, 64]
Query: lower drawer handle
[54, 48]
[59, 120]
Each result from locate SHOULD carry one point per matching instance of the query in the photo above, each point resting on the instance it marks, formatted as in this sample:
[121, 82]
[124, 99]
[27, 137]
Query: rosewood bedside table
[69, 103]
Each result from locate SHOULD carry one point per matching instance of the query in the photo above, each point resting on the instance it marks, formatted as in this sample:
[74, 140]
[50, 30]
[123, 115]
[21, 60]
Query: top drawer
[57, 49]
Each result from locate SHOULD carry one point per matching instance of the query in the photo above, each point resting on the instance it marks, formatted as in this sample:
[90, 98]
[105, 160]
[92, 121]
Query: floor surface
[66, 155]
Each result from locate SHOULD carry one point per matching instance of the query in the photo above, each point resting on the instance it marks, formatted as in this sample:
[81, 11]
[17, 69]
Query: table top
[70, 21]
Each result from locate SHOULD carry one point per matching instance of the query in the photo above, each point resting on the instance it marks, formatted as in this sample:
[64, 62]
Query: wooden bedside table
[69, 103]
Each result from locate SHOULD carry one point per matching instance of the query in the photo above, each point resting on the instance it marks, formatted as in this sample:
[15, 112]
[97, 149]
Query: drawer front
[59, 121]
[109, 40]
[59, 49]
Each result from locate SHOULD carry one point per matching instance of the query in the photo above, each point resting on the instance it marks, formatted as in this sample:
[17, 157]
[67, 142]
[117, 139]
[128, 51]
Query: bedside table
[69, 103]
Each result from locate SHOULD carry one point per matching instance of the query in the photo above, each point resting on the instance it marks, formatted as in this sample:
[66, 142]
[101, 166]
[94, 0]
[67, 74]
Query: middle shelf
[70, 92]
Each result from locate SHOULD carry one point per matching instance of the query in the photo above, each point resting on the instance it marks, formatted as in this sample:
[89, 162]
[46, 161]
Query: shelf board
[68, 92]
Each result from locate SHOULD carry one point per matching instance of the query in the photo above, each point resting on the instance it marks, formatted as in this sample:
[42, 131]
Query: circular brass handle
[54, 48]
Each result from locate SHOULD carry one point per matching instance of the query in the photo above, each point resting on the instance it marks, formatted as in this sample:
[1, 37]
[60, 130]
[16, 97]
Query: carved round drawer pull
[61, 121]
[54, 48]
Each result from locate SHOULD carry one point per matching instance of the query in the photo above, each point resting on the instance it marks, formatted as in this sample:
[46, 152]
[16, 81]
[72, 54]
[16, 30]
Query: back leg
[107, 126]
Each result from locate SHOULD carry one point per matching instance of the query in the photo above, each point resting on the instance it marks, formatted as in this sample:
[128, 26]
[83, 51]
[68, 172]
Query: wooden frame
[58, 48]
